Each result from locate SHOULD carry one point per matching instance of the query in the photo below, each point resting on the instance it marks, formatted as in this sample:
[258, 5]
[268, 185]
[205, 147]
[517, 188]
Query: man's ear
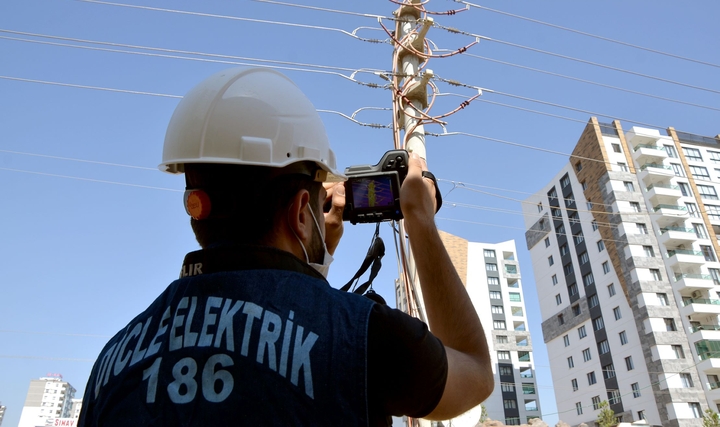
[299, 219]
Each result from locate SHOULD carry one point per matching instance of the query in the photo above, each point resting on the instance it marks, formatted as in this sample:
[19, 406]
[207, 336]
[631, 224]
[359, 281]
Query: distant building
[2, 413]
[625, 252]
[75, 407]
[491, 275]
[48, 398]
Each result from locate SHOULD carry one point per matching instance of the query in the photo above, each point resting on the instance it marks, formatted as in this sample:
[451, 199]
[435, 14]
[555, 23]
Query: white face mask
[323, 268]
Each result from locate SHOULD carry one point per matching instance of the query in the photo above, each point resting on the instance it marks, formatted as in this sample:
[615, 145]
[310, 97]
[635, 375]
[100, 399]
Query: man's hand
[334, 217]
[417, 194]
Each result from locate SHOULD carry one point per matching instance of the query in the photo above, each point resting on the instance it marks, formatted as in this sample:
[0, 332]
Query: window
[584, 185]
[616, 148]
[576, 310]
[593, 301]
[547, 242]
[528, 388]
[579, 238]
[707, 253]
[566, 340]
[616, 313]
[572, 289]
[588, 279]
[550, 260]
[554, 279]
[497, 309]
[598, 323]
[506, 371]
[600, 246]
[560, 229]
[606, 267]
[578, 408]
[581, 332]
[509, 403]
[596, 402]
[568, 269]
[591, 378]
[608, 371]
[552, 194]
[564, 249]
[495, 295]
[603, 347]
[558, 299]
[635, 207]
[569, 200]
[714, 157]
[692, 154]
[629, 363]
[663, 299]
[539, 207]
[565, 181]
[589, 205]
[594, 225]
[655, 273]
[526, 372]
[641, 415]
[695, 409]
[685, 189]
[715, 274]
[623, 338]
[571, 364]
[516, 311]
[613, 397]
[623, 166]
[629, 186]
[561, 319]
[707, 192]
[556, 212]
[678, 169]
[515, 296]
[491, 267]
[670, 325]
[649, 251]
[670, 150]
[503, 355]
[501, 339]
[584, 258]
[693, 210]
[611, 289]
[508, 387]
[699, 172]
[586, 354]
[635, 389]
[686, 380]
[678, 350]
[700, 231]
[641, 228]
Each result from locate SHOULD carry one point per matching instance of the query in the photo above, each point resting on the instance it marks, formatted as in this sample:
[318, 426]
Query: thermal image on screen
[372, 192]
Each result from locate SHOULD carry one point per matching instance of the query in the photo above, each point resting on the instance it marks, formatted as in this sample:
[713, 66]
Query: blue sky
[85, 246]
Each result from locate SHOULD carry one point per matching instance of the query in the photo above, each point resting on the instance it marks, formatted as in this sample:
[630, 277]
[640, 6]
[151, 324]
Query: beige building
[48, 398]
[625, 254]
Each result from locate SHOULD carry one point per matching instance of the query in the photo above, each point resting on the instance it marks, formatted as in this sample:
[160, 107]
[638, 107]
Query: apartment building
[624, 250]
[48, 398]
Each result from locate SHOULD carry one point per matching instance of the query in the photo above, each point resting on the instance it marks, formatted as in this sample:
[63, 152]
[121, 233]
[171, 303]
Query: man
[251, 333]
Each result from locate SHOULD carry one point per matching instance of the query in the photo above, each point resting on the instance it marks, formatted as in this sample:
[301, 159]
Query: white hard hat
[253, 117]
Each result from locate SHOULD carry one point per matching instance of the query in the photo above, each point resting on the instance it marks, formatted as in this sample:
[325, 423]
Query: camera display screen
[375, 192]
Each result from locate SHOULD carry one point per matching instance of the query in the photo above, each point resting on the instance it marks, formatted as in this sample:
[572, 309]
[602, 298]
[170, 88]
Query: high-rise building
[48, 398]
[75, 408]
[491, 275]
[2, 413]
[624, 249]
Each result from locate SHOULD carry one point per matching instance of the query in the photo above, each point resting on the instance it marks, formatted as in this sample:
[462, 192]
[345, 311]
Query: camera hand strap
[373, 257]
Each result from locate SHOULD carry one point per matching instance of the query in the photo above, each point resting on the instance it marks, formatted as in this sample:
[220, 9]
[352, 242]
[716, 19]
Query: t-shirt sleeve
[407, 365]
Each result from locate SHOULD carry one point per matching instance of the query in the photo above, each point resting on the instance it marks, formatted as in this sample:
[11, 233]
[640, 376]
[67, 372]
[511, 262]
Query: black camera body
[372, 192]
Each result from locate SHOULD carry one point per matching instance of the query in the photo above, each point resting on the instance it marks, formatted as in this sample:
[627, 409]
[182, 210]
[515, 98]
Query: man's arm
[451, 315]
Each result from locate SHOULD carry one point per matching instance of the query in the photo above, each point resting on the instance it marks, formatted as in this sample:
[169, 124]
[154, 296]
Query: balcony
[649, 153]
[511, 270]
[700, 306]
[651, 173]
[690, 282]
[663, 193]
[705, 333]
[684, 258]
[673, 236]
[641, 136]
[665, 215]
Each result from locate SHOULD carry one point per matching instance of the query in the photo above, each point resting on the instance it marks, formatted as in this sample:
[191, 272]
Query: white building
[48, 398]
[2, 413]
[624, 249]
[491, 275]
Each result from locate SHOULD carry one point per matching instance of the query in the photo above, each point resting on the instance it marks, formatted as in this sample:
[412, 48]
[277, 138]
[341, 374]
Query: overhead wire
[325, 9]
[572, 30]
[91, 180]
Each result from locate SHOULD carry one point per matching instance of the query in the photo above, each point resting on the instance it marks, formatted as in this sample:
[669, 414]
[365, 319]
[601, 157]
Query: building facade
[2, 413]
[48, 398]
[624, 249]
[491, 275]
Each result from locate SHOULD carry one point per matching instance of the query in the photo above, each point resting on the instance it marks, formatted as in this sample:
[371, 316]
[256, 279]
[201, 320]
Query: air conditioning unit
[697, 294]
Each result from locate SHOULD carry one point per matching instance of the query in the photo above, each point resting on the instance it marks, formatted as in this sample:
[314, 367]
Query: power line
[324, 9]
[572, 30]
[134, 92]
[76, 160]
[92, 180]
